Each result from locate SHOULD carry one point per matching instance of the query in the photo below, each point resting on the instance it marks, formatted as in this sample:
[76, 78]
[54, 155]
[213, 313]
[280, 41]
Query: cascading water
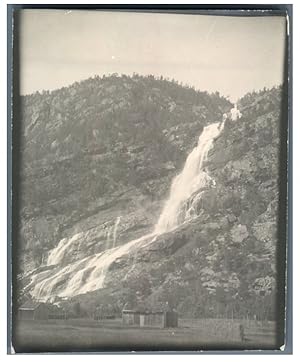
[89, 274]
[191, 179]
[81, 276]
[112, 230]
[235, 114]
[57, 254]
[116, 230]
[107, 245]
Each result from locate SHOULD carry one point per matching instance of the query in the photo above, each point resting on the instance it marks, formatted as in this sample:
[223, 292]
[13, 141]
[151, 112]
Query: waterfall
[89, 274]
[191, 179]
[57, 254]
[81, 276]
[116, 230]
[107, 244]
[235, 114]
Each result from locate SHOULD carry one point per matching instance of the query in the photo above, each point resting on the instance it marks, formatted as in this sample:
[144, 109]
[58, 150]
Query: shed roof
[130, 311]
[142, 311]
[29, 305]
[148, 312]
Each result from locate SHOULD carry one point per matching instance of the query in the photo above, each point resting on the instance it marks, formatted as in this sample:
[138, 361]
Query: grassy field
[111, 335]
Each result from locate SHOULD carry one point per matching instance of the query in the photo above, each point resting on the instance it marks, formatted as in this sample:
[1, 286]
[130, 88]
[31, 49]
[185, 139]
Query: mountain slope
[221, 262]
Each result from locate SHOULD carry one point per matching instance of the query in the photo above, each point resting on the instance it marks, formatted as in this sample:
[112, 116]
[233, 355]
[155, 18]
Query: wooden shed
[33, 311]
[159, 319]
[152, 319]
[130, 317]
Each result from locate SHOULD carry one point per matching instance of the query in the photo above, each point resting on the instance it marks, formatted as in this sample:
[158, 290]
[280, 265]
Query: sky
[232, 55]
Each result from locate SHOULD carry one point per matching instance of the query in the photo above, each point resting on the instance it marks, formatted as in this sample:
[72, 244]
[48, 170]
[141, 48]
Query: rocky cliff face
[99, 159]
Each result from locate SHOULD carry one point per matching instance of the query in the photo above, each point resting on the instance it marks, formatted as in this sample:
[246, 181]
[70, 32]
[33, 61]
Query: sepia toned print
[150, 147]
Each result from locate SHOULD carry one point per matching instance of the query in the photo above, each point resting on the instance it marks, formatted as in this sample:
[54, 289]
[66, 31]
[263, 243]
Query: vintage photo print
[149, 200]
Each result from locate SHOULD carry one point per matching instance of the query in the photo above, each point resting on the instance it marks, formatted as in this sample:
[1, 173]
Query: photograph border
[286, 189]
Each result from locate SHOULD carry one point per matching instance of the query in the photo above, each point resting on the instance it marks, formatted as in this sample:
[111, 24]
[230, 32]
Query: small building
[33, 311]
[159, 319]
[152, 319]
[131, 317]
